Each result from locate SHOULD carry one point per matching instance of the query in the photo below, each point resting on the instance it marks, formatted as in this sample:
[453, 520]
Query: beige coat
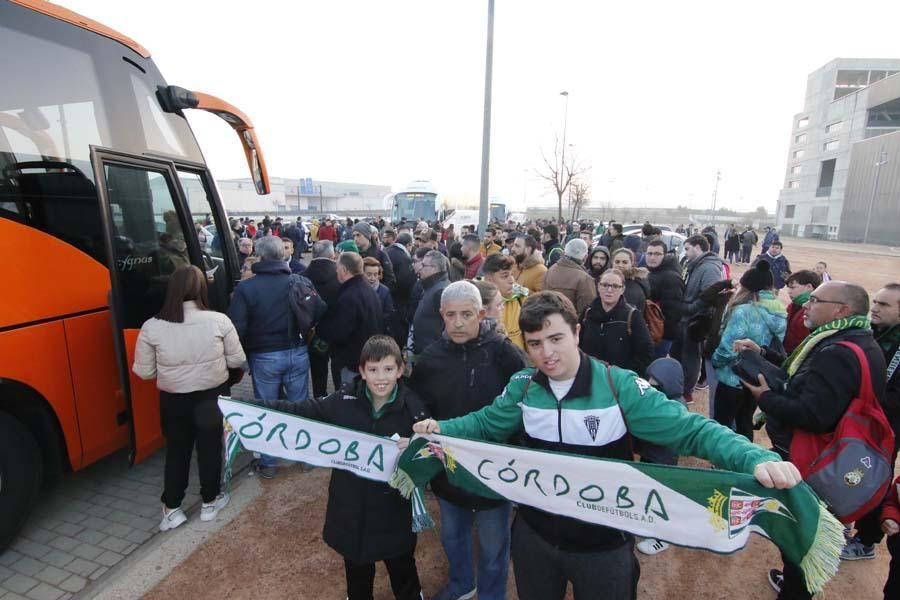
[190, 356]
[571, 280]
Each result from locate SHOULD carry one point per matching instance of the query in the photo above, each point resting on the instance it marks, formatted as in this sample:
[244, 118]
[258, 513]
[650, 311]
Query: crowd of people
[511, 336]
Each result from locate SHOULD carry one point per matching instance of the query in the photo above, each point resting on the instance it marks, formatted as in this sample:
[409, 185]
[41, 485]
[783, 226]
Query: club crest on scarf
[736, 511]
[434, 449]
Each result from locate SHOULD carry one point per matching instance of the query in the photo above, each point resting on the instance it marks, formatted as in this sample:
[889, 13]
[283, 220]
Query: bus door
[149, 233]
[213, 232]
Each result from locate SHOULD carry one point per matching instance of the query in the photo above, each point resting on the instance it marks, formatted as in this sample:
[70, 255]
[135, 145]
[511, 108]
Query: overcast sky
[661, 94]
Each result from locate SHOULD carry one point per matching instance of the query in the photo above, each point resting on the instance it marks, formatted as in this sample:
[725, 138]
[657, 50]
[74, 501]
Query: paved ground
[88, 524]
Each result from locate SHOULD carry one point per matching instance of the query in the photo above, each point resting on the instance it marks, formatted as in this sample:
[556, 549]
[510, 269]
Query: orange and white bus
[95, 158]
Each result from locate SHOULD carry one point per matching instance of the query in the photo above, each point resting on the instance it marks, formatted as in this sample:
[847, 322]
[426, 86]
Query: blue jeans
[493, 544]
[272, 372]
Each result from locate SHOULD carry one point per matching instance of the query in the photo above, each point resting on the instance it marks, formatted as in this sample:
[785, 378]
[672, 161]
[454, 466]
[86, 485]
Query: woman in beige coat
[189, 349]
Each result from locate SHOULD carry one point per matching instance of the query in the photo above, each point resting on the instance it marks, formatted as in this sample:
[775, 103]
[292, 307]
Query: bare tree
[579, 196]
[560, 172]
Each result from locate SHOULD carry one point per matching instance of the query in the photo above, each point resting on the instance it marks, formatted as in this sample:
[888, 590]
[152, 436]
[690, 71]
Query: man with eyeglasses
[823, 378]
[427, 322]
[666, 289]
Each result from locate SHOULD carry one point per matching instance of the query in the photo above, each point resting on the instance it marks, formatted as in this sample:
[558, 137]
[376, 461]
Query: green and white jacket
[589, 421]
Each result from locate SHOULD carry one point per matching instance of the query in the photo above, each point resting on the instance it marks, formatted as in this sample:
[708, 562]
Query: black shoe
[263, 471]
[776, 579]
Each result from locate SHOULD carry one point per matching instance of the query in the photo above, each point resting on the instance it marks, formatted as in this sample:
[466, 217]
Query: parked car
[636, 228]
[674, 241]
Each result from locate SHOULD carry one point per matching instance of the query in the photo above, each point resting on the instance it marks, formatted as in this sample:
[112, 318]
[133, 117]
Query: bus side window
[209, 234]
[149, 241]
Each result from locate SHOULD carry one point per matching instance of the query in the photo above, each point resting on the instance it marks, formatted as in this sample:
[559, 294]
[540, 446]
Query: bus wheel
[20, 475]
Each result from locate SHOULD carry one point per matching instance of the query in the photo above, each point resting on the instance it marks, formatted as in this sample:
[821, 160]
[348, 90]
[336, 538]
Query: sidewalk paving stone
[87, 551]
[74, 584]
[19, 583]
[115, 544]
[58, 558]
[82, 567]
[27, 566]
[44, 592]
[52, 575]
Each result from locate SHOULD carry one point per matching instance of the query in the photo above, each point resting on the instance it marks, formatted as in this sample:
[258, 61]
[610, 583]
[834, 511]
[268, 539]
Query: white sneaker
[209, 511]
[651, 546]
[171, 518]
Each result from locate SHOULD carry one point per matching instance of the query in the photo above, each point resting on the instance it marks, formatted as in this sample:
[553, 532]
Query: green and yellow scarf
[796, 358]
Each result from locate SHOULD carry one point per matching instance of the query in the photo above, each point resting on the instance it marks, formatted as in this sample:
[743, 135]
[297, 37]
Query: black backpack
[307, 306]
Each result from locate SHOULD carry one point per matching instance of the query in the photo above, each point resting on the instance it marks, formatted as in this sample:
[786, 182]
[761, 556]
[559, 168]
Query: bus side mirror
[174, 99]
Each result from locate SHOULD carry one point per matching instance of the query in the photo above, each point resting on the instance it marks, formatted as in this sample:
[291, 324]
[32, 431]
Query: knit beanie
[363, 228]
[758, 278]
[670, 375]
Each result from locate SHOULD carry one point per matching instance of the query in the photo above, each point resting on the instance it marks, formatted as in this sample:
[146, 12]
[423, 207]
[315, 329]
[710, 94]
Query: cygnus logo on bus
[130, 262]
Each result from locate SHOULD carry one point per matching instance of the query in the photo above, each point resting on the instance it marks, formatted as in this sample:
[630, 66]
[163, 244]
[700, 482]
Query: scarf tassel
[824, 556]
[404, 484]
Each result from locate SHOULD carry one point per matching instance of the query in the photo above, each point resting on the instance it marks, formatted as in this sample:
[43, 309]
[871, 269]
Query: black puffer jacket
[667, 290]
[427, 322]
[366, 521]
[323, 274]
[818, 394]
[604, 335]
[403, 272]
[351, 320]
[457, 379]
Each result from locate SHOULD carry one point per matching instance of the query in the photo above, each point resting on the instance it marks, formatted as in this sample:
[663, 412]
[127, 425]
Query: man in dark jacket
[885, 318]
[748, 240]
[460, 373]
[770, 237]
[401, 260]
[322, 272]
[702, 270]
[553, 250]
[824, 377]
[667, 290]
[353, 318]
[261, 313]
[297, 234]
[781, 268]
[427, 323]
[363, 237]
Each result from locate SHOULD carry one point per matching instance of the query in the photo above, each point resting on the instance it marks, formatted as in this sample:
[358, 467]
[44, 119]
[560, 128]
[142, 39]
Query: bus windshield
[65, 89]
[414, 205]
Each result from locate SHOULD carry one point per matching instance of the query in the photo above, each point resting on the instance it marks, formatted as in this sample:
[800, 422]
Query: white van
[460, 218]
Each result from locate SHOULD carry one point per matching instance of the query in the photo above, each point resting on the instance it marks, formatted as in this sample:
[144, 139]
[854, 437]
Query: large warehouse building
[852, 106]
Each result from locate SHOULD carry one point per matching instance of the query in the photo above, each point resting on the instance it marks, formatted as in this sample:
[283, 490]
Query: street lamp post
[562, 166]
[715, 196]
[882, 160]
[486, 128]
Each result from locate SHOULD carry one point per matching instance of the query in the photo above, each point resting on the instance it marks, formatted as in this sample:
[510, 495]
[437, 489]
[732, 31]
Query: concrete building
[843, 105]
[292, 195]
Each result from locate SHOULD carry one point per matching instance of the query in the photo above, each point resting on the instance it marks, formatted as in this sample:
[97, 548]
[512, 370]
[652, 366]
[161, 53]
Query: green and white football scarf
[696, 508]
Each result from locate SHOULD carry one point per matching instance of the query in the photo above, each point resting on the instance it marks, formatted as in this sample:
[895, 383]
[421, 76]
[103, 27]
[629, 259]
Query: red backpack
[850, 469]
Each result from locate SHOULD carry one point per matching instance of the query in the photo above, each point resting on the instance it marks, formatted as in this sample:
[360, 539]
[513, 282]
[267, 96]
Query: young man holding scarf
[824, 377]
[548, 408]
